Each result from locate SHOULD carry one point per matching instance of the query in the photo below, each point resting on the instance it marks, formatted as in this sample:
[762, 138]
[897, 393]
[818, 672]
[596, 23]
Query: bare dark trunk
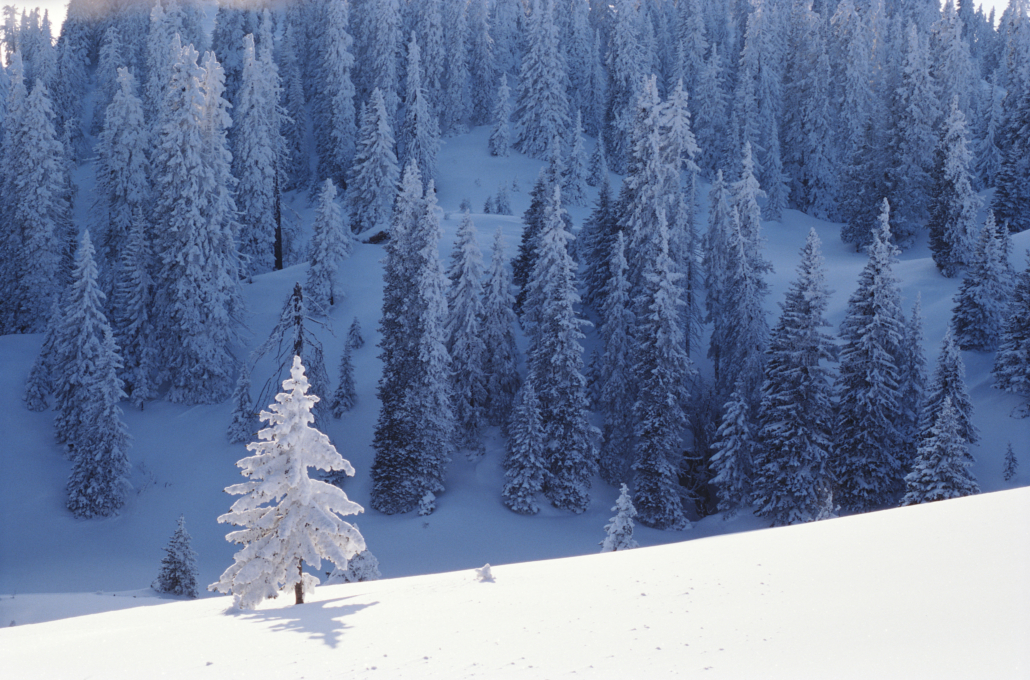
[299, 588]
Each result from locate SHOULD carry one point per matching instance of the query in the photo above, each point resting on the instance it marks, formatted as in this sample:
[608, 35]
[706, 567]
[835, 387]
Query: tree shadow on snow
[319, 620]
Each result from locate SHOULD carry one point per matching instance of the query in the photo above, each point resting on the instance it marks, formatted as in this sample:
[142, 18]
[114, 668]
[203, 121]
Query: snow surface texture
[914, 592]
[181, 460]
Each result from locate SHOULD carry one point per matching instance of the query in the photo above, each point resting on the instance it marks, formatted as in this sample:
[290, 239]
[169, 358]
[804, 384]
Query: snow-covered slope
[934, 591]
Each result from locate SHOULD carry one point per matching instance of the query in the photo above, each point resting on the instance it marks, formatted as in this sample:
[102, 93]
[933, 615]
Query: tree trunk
[299, 588]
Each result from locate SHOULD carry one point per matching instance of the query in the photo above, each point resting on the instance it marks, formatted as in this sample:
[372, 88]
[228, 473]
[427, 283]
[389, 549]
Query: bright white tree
[287, 518]
[178, 574]
[620, 527]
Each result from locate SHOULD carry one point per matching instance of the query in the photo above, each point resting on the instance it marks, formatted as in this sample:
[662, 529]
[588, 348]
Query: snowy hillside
[909, 593]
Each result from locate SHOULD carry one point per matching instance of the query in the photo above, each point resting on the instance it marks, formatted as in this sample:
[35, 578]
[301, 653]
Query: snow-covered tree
[1011, 464]
[524, 463]
[287, 518]
[88, 390]
[542, 109]
[941, 469]
[501, 355]
[295, 124]
[354, 338]
[465, 338]
[982, 303]
[244, 424]
[362, 567]
[331, 242]
[500, 136]
[574, 184]
[911, 383]
[455, 100]
[420, 132]
[620, 527]
[953, 214]
[795, 417]
[372, 180]
[109, 61]
[869, 448]
[378, 37]
[710, 102]
[949, 383]
[346, 395]
[550, 177]
[333, 112]
[178, 574]
[731, 465]
[598, 163]
[1012, 364]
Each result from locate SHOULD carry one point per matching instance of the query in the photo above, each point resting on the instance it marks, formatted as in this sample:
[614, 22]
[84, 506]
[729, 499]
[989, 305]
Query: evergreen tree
[296, 166]
[596, 241]
[333, 112]
[556, 363]
[378, 33]
[330, 243]
[39, 384]
[286, 517]
[362, 567]
[456, 102]
[732, 463]
[88, 390]
[524, 463]
[465, 338]
[574, 184]
[868, 446]
[941, 467]
[952, 221]
[420, 133]
[244, 424]
[108, 63]
[911, 383]
[620, 527]
[501, 355]
[132, 313]
[550, 177]
[982, 302]
[796, 414]
[1011, 464]
[949, 383]
[178, 574]
[626, 70]
[482, 72]
[500, 136]
[542, 110]
[354, 337]
[710, 114]
[1012, 364]
[345, 396]
[598, 163]
[373, 177]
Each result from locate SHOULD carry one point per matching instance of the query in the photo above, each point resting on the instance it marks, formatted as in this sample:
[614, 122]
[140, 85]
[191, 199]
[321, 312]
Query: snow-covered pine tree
[501, 355]
[596, 241]
[710, 102]
[614, 375]
[354, 338]
[178, 574]
[1011, 464]
[333, 112]
[244, 424]
[795, 416]
[456, 101]
[627, 67]
[132, 310]
[620, 527]
[160, 58]
[911, 383]
[88, 390]
[941, 469]
[500, 135]
[542, 109]
[295, 125]
[731, 464]
[362, 567]
[524, 463]
[868, 446]
[420, 132]
[346, 395]
[598, 163]
[39, 385]
[110, 59]
[372, 180]
[574, 183]
[465, 338]
[378, 37]
[258, 156]
[949, 382]
[955, 205]
[331, 242]
[556, 363]
[287, 518]
[1012, 364]
[982, 303]
[543, 191]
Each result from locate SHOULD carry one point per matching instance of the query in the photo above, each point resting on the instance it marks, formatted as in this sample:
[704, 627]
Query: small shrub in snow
[362, 567]
[178, 574]
[484, 574]
[427, 504]
[620, 527]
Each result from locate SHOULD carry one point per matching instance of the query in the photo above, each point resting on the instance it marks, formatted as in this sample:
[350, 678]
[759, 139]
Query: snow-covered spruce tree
[542, 109]
[123, 183]
[982, 303]
[293, 336]
[258, 158]
[88, 390]
[244, 424]
[287, 518]
[109, 60]
[420, 131]
[333, 112]
[614, 375]
[596, 242]
[941, 469]
[39, 385]
[362, 567]
[465, 338]
[723, 221]
[373, 177]
[627, 66]
[574, 184]
[911, 383]
[662, 367]
[377, 33]
[500, 136]
[346, 395]
[1011, 464]
[296, 166]
[1012, 364]
[710, 102]
[501, 355]
[955, 205]
[868, 446]
[949, 382]
[598, 163]
[795, 416]
[620, 527]
[178, 574]
[160, 58]
[331, 242]
[731, 465]
[456, 101]
[132, 310]
[1011, 202]
[413, 436]
[556, 364]
[354, 338]
[524, 464]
